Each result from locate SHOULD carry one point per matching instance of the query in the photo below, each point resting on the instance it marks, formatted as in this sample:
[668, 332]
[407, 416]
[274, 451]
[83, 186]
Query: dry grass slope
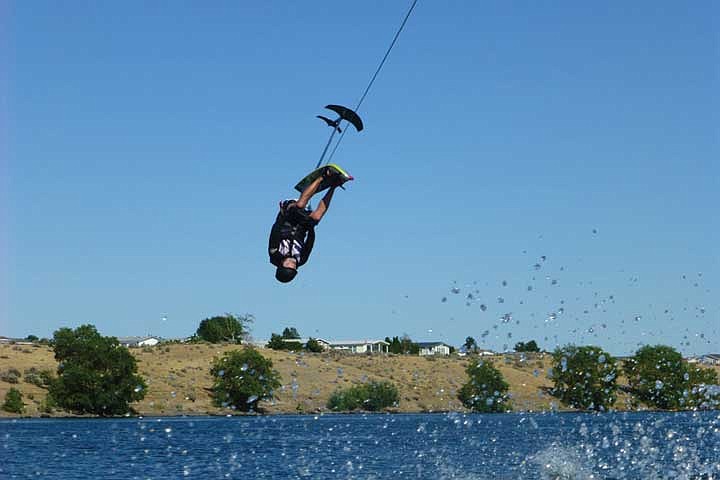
[178, 379]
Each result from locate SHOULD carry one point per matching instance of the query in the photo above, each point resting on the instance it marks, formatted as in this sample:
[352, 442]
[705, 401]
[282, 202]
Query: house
[433, 348]
[350, 346]
[462, 351]
[139, 341]
[710, 359]
[356, 346]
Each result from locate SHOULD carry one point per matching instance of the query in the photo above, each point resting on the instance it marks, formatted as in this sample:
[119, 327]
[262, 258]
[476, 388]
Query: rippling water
[435, 446]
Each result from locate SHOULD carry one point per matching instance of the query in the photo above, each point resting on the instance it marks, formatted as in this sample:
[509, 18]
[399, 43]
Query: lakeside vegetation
[80, 372]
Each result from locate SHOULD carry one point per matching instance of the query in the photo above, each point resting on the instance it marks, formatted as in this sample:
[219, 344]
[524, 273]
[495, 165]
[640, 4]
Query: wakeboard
[325, 184]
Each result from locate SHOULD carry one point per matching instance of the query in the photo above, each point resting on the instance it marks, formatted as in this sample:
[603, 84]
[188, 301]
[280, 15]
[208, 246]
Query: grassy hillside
[178, 379]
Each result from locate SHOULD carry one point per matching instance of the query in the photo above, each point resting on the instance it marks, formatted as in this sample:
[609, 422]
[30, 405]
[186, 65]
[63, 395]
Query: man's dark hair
[285, 274]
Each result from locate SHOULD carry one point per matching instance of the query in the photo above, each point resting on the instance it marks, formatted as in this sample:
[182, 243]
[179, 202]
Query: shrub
[224, 328]
[702, 390]
[11, 375]
[530, 346]
[278, 342]
[314, 346]
[39, 378]
[486, 390]
[47, 404]
[658, 376]
[372, 396]
[13, 401]
[584, 377]
[95, 375]
[242, 378]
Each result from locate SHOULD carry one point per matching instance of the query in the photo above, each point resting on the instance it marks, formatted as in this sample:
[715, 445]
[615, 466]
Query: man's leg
[308, 193]
[323, 206]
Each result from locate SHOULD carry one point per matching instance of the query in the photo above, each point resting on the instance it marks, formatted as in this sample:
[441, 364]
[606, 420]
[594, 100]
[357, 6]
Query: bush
[658, 376]
[702, 390]
[403, 345]
[486, 390]
[278, 342]
[242, 378]
[224, 328]
[13, 401]
[11, 375]
[530, 346]
[373, 396]
[96, 374]
[39, 378]
[314, 346]
[585, 377]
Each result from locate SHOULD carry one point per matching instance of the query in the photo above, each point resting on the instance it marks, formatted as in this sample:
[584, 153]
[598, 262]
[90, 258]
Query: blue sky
[148, 146]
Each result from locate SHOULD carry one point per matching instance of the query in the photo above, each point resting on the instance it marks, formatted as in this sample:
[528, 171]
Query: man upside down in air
[293, 235]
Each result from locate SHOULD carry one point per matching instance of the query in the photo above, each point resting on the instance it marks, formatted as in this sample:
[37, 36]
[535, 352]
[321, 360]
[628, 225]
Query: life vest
[292, 224]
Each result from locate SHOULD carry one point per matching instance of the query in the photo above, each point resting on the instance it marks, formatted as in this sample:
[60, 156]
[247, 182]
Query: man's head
[287, 271]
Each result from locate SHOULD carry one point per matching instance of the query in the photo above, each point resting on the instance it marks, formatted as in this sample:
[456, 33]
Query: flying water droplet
[483, 307]
[455, 290]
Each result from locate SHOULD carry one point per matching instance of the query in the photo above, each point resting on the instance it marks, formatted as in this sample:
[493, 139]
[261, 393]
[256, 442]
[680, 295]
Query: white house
[433, 348]
[710, 359]
[139, 341]
[357, 346]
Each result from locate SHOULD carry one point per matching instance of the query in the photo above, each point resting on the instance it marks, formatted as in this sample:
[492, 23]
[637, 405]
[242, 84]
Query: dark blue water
[439, 446]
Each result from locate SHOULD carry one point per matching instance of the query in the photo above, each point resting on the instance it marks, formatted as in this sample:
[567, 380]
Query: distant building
[710, 359]
[139, 341]
[357, 346]
[433, 348]
[350, 346]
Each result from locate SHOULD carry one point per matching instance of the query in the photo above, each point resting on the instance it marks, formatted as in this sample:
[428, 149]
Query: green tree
[584, 377]
[314, 346]
[485, 390]
[277, 342]
[241, 378]
[656, 375]
[702, 390]
[13, 401]
[290, 332]
[530, 346]
[95, 374]
[372, 396]
[224, 328]
[470, 345]
[32, 338]
[402, 345]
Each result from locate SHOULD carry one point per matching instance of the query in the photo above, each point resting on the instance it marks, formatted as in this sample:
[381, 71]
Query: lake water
[432, 446]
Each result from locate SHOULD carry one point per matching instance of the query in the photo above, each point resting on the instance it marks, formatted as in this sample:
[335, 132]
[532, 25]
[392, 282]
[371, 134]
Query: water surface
[435, 446]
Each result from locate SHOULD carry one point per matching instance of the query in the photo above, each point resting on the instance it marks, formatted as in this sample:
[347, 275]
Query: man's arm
[323, 206]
